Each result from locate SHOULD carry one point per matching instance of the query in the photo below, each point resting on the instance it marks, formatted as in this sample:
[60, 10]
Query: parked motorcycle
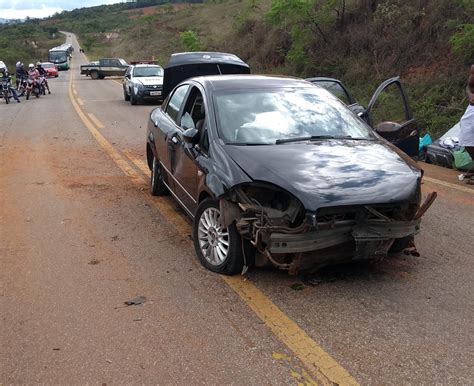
[32, 88]
[42, 85]
[6, 84]
[22, 83]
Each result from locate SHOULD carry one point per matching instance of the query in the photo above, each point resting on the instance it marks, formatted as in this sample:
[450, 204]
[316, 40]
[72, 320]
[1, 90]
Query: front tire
[94, 75]
[157, 186]
[125, 95]
[133, 99]
[218, 249]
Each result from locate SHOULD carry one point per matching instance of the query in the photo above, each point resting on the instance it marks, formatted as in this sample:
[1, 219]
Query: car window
[265, 116]
[335, 89]
[105, 62]
[389, 106]
[194, 111]
[147, 71]
[176, 100]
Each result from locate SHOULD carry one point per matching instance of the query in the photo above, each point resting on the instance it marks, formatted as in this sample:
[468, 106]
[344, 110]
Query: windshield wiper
[311, 138]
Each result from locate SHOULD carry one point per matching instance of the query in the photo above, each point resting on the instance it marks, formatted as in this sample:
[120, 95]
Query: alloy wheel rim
[213, 238]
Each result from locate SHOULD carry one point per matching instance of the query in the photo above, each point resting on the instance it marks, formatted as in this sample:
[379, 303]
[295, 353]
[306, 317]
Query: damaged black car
[278, 170]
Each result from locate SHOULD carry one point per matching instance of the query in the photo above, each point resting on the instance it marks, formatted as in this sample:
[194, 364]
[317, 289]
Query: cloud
[19, 9]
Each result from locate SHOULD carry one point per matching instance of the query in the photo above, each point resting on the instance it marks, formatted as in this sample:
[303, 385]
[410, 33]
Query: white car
[143, 81]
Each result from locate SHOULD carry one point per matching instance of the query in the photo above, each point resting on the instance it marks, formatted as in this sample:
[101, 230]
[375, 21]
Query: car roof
[244, 81]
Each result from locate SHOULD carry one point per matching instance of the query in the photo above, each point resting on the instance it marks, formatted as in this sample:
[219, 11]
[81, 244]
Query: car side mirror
[191, 136]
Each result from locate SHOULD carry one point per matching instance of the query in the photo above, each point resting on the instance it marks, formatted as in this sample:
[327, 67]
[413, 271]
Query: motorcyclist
[42, 72]
[33, 72]
[5, 75]
[20, 73]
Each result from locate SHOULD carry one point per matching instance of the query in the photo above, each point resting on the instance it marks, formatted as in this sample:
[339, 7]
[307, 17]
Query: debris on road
[297, 287]
[135, 302]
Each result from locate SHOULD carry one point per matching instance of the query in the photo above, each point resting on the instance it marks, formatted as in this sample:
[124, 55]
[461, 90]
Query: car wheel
[218, 249]
[101, 76]
[133, 99]
[94, 75]
[157, 186]
[399, 245]
[125, 95]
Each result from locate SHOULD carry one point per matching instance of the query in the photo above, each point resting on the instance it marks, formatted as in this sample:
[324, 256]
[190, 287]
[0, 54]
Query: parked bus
[60, 56]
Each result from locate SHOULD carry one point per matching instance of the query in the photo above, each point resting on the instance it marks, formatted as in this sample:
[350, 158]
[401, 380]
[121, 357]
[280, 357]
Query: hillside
[429, 43]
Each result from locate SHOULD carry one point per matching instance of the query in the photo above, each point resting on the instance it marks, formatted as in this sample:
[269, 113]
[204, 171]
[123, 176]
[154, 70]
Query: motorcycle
[32, 88]
[21, 88]
[42, 86]
[6, 84]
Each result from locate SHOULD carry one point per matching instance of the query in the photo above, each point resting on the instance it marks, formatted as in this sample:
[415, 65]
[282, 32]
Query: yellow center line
[79, 100]
[319, 363]
[448, 185]
[96, 121]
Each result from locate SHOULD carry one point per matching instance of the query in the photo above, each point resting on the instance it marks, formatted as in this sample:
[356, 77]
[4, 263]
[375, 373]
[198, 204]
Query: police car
[143, 81]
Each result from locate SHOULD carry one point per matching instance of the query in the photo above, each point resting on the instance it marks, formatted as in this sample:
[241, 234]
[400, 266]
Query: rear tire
[157, 186]
[94, 75]
[219, 250]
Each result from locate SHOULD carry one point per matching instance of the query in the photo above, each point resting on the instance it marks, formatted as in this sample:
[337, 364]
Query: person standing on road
[466, 133]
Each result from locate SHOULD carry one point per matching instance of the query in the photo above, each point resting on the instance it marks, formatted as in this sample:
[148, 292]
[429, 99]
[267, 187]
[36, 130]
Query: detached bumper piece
[376, 233]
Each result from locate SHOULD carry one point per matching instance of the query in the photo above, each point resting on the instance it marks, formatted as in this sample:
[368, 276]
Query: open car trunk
[186, 65]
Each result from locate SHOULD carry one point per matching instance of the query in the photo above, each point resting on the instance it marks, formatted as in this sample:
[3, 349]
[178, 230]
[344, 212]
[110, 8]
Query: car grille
[153, 88]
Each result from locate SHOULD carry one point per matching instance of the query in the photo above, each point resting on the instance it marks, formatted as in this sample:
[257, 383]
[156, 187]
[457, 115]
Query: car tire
[399, 245]
[94, 75]
[157, 186]
[101, 76]
[125, 95]
[133, 99]
[219, 257]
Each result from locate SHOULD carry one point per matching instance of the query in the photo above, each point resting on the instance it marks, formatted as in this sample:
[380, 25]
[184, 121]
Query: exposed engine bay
[289, 237]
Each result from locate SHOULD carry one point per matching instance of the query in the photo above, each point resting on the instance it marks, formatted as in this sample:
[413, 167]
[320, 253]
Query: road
[80, 234]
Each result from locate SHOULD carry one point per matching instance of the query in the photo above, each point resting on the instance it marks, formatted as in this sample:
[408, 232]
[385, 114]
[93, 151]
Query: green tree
[190, 40]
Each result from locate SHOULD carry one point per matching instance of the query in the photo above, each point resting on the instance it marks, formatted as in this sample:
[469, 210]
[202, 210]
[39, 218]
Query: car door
[184, 166]
[165, 131]
[337, 88]
[390, 115]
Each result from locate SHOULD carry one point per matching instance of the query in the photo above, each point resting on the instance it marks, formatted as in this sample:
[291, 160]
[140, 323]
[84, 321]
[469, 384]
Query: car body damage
[291, 238]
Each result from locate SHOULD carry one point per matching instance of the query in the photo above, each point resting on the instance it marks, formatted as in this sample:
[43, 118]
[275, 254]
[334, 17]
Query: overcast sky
[19, 9]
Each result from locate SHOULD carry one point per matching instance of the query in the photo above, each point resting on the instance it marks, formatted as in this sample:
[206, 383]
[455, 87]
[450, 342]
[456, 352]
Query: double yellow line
[323, 369]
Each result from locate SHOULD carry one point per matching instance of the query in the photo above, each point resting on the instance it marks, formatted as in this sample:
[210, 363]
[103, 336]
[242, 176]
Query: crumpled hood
[331, 172]
[150, 80]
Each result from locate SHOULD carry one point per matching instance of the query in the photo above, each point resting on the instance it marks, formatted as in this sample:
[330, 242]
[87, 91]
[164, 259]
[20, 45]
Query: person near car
[466, 133]
[20, 73]
[42, 72]
[5, 75]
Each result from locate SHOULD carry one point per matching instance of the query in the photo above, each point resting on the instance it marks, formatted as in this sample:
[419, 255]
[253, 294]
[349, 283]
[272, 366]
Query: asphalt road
[80, 234]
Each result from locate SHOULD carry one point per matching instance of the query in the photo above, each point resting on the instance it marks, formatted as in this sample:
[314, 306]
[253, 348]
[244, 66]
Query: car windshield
[262, 117]
[147, 71]
[57, 56]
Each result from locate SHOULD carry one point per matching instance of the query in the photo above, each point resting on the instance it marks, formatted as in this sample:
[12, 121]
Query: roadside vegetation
[429, 43]
[27, 42]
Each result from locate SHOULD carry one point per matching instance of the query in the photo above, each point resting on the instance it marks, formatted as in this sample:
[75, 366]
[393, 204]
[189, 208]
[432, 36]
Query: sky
[19, 9]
